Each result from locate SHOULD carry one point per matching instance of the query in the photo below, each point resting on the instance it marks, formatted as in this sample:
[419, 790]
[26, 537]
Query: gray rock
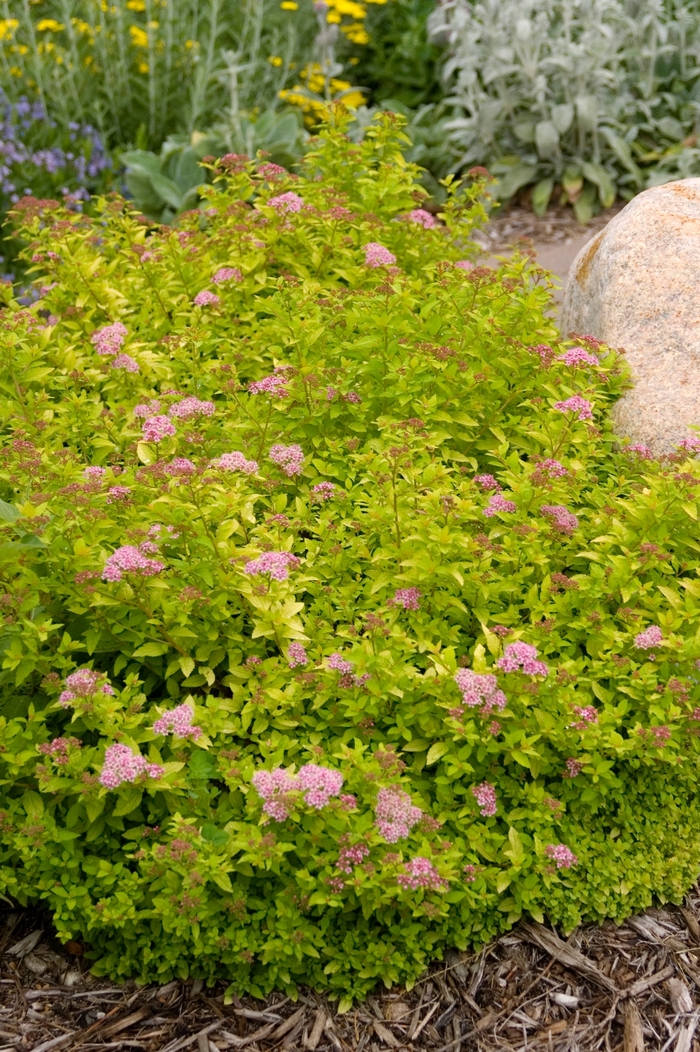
[636, 286]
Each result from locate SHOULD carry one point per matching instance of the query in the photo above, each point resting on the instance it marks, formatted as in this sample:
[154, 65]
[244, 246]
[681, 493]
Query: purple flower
[94, 473]
[322, 491]
[351, 856]
[408, 598]
[129, 559]
[422, 218]
[177, 721]
[276, 564]
[560, 518]
[337, 663]
[487, 482]
[319, 784]
[117, 494]
[480, 689]
[274, 384]
[273, 787]
[144, 409]
[126, 362]
[108, 340]
[421, 873]
[289, 202]
[577, 405]
[289, 458]
[84, 683]
[205, 298]
[650, 637]
[499, 503]
[573, 768]
[485, 796]
[181, 467]
[156, 428]
[236, 462]
[522, 656]
[122, 765]
[191, 407]
[378, 256]
[464, 264]
[296, 655]
[395, 814]
[691, 444]
[641, 451]
[227, 274]
[577, 356]
[561, 855]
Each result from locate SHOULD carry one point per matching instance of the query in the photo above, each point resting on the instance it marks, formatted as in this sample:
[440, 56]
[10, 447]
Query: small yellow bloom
[135, 5]
[15, 71]
[191, 45]
[82, 27]
[143, 67]
[356, 33]
[7, 27]
[274, 60]
[333, 18]
[289, 5]
[49, 25]
[139, 37]
[349, 8]
[153, 25]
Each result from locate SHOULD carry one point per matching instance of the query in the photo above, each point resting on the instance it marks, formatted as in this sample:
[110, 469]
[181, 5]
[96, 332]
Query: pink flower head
[544, 352]
[337, 663]
[587, 714]
[108, 340]
[561, 855]
[274, 384]
[323, 491]
[129, 559]
[408, 598]
[84, 683]
[289, 202]
[118, 494]
[276, 564]
[464, 264]
[691, 444]
[205, 298]
[395, 814]
[639, 450]
[177, 721]
[156, 428]
[422, 218]
[227, 274]
[145, 409]
[125, 362]
[296, 655]
[274, 788]
[650, 637]
[348, 801]
[522, 656]
[421, 873]
[122, 765]
[487, 482]
[577, 356]
[480, 689]
[551, 468]
[485, 796]
[191, 407]
[563, 520]
[573, 768]
[351, 856]
[319, 784]
[378, 256]
[236, 462]
[580, 406]
[499, 503]
[181, 467]
[353, 397]
[270, 170]
[94, 473]
[289, 458]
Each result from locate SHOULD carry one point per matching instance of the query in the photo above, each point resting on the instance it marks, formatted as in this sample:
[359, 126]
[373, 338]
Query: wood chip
[679, 995]
[691, 922]
[287, 1025]
[634, 1033]
[685, 1035]
[385, 1035]
[241, 1042]
[647, 981]
[550, 942]
[190, 1040]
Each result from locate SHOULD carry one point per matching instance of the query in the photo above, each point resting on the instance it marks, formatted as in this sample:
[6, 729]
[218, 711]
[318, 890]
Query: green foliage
[399, 385]
[583, 100]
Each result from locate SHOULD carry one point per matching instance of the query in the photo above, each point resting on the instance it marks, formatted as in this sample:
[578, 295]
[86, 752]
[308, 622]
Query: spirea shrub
[337, 630]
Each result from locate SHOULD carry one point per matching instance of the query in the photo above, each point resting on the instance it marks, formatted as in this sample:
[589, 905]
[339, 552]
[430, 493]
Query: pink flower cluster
[274, 384]
[485, 796]
[586, 714]
[395, 815]
[289, 202]
[118, 494]
[318, 785]
[129, 559]
[122, 765]
[205, 298]
[181, 467]
[109, 339]
[480, 689]
[578, 405]
[323, 491]
[276, 564]
[553, 469]
[337, 663]
[639, 450]
[84, 683]
[650, 637]
[156, 428]
[422, 218]
[573, 768]
[577, 356]
[227, 274]
[408, 598]
[421, 873]
[191, 407]
[499, 503]
[296, 655]
[94, 473]
[487, 482]
[125, 362]
[59, 749]
[560, 518]
[236, 462]
[522, 656]
[691, 444]
[145, 409]
[177, 721]
[378, 256]
[561, 855]
[289, 458]
[351, 856]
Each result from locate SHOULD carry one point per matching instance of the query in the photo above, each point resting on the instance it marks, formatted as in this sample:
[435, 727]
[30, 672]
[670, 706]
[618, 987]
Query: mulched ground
[514, 222]
[632, 988]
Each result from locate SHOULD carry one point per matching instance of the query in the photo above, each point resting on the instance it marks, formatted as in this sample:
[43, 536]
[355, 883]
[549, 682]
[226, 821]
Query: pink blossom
[274, 384]
[181, 467]
[59, 748]
[205, 298]
[660, 735]
[129, 559]
[577, 356]
[94, 473]
[563, 520]
[480, 689]
[156, 428]
[544, 352]
[553, 469]
[319, 784]
[499, 503]
[464, 264]
[353, 397]
[323, 491]
[378, 256]
[348, 679]
[421, 873]
[108, 340]
[227, 274]
[331, 392]
[561, 855]
[408, 598]
[580, 406]
[84, 683]
[274, 787]
[422, 218]
[270, 170]
[289, 202]
[351, 856]
[486, 798]
[587, 714]
[126, 362]
[337, 663]
[639, 450]
[469, 873]
[191, 407]
[487, 482]
[573, 768]
[296, 655]
[147, 409]
[691, 444]
[276, 564]
[122, 765]
[236, 462]
[116, 494]
[347, 801]
[178, 721]
[289, 458]
[395, 814]
[522, 656]
[650, 637]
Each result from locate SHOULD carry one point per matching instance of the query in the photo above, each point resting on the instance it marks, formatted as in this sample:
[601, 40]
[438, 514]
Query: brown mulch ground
[605, 988]
[514, 222]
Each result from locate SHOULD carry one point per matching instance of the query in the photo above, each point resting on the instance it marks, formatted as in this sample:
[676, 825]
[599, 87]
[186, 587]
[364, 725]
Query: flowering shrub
[259, 729]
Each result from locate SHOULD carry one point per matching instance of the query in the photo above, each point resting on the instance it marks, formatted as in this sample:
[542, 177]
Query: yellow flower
[49, 25]
[333, 18]
[274, 60]
[135, 5]
[289, 5]
[143, 67]
[349, 8]
[15, 71]
[153, 25]
[7, 27]
[356, 33]
[82, 27]
[139, 37]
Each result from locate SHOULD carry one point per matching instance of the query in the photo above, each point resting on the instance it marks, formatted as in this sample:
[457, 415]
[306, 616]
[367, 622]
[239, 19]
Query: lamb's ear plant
[337, 629]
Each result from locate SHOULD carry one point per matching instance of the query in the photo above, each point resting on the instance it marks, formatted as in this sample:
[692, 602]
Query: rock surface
[636, 286]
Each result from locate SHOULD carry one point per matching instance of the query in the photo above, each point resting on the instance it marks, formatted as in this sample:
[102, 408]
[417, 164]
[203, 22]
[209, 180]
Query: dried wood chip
[423, 1023]
[679, 995]
[265, 1017]
[634, 1034]
[54, 1043]
[565, 1000]
[288, 1023]
[397, 1011]
[568, 956]
[123, 1024]
[241, 1042]
[385, 1035]
[183, 1042]
[691, 922]
[26, 944]
[315, 1035]
[686, 1034]
[647, 981]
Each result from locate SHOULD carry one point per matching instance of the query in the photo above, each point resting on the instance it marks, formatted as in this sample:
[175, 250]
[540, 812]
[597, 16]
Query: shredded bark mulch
[514, 223]
[630, 988]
